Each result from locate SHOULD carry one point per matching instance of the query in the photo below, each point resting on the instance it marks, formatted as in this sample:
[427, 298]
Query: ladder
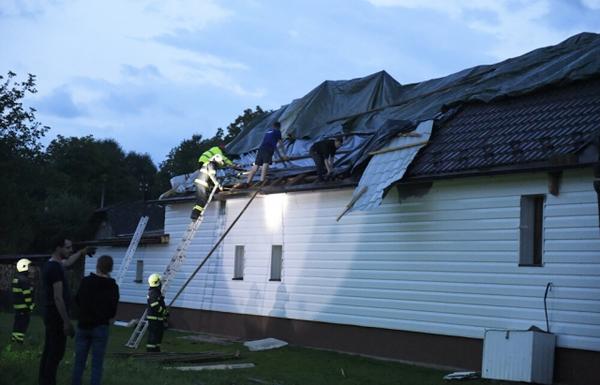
[135, 240]
[172, 268]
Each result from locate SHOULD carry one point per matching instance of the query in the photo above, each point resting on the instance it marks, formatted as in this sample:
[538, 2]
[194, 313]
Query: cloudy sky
[150, 73]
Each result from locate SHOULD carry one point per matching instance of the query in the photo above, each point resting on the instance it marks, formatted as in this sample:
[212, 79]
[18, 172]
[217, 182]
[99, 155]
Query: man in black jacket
[97, 299]
[323, 154]
[22, 293]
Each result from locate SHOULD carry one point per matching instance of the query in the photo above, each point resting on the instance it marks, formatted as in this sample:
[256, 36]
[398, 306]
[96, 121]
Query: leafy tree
[184, 158]
[20, 133]
[238, 124]
[20, 164]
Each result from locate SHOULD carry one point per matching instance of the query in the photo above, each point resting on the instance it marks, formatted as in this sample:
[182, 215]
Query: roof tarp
[358, 106]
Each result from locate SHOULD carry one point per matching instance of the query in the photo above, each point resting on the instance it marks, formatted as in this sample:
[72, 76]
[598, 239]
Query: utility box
[518, 355]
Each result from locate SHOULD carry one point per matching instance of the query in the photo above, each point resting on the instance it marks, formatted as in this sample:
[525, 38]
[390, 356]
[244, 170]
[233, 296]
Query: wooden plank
[213, 367]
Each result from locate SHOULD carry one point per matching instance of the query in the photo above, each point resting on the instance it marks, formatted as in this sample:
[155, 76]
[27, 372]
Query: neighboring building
[499, 204]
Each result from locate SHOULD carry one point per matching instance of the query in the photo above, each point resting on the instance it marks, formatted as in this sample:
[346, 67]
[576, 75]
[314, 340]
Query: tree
[20, 133]
[183, 159]
[238, 124]
[21, 164]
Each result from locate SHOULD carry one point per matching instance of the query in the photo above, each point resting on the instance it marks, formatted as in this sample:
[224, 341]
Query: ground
[288, 365]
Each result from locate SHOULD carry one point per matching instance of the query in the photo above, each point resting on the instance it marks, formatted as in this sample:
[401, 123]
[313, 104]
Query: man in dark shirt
[271, 142]
[97, 300]
[323, 153]
[56, 317]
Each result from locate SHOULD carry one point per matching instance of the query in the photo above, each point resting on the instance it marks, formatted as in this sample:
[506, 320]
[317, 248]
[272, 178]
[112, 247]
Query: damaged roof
[545, 126]
[363, 106]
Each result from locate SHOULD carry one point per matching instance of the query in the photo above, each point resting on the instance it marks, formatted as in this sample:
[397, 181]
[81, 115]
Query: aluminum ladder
[135, 240]
[172, 268]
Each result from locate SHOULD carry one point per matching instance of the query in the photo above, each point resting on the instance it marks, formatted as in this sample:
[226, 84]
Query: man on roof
[206, 180]
[323, 154]
[208, 155]
[271, 142]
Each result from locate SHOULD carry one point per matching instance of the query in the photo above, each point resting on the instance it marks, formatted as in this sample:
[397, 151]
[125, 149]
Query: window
[531, 230]
[276, 253]
[139, 271]
[238, 267]
[223, 208]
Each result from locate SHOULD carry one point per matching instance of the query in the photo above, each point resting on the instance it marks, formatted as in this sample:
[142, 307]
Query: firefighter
[208, 155]
[157, 313]
[22, 293]
[207, 179]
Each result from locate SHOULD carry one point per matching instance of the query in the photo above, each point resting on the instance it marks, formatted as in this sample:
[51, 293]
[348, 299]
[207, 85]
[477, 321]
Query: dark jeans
[20, 326]
[319, 164]
[54, 347]
[96, 339]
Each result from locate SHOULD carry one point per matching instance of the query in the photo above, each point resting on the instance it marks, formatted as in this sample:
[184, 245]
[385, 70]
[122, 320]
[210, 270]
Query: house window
[139, 271]
[223, 207]
[276, 254]
[238, 267]
[531, 230]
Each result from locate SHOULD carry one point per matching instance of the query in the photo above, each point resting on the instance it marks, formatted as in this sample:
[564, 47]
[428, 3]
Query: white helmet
[154, 280]
[217, 158]
[23, 265]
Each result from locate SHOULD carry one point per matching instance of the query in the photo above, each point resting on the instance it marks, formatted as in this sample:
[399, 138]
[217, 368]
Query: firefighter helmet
[154, 280]
[217, 158]
[23, 265]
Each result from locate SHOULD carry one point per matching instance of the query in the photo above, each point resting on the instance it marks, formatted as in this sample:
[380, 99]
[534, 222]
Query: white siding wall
[444, 263]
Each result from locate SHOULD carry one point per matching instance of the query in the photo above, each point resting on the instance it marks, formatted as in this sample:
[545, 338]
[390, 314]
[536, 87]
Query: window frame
[276, 263]
[531, 230]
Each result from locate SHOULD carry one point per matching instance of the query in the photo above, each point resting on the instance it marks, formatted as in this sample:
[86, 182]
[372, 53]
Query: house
[490, 225]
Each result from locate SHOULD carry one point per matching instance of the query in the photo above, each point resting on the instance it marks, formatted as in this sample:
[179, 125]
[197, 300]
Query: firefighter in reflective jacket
[208, 155]
[22, 293]
[157, 313]
[206, 180]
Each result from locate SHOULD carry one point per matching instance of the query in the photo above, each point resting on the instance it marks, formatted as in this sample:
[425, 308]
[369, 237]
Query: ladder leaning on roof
[135, 240]
[170, 271]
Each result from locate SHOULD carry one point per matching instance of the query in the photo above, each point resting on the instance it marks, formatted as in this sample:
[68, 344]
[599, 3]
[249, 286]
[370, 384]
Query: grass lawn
[288, 365]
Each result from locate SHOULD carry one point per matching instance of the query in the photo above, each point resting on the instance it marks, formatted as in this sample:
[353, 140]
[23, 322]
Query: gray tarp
[358, 106]
[371, 111]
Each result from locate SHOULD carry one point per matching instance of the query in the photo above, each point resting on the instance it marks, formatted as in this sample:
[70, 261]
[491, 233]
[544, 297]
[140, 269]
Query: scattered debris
[126, 324]
[212, 367]
[259, 381]
[462, 376]
[264, 344]
[167, 357]
[208, 338]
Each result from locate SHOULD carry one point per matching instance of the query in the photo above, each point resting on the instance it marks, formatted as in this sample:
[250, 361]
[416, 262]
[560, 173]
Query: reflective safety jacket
[157, 310]
[22, 293]
[208, 154]
[207, 177]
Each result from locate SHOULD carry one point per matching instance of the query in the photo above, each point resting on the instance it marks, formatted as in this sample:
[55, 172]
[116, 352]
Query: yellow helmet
[23, 265]
[154, 280]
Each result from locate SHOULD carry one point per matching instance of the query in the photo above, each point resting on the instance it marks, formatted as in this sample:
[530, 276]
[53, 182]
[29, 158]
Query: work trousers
[155, 335]
[54, 347]
[20, 326]
[96, 339]
[319, 164]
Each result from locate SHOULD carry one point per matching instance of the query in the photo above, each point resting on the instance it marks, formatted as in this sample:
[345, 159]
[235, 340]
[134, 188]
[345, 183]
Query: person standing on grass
[97, 300]
[57, 301]
[22, 292]
[157, 313]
